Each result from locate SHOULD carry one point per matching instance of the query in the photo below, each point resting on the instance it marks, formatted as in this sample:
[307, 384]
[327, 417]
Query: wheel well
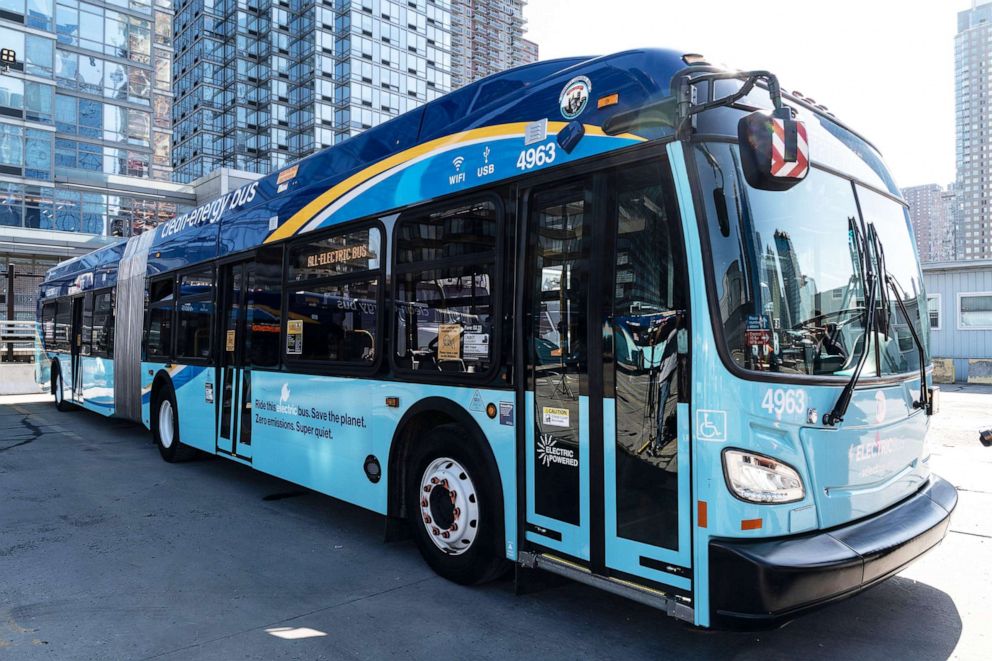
[162, 379]
[424, 416]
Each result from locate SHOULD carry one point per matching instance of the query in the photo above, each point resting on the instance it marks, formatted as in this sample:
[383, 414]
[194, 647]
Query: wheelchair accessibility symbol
[711, 425]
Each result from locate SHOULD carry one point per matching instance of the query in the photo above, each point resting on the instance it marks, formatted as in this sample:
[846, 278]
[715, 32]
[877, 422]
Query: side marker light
[608, 100]
[750, 524]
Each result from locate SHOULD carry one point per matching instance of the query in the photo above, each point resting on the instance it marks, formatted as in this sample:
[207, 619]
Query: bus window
[333, 298]
[466, 230]
[445, 275]
[196, 308]
[158, 336]
[160, 291]
[265, 307]
[338, 321]
[63, 324]
[87, 329]
[48, 324]
[103, 324]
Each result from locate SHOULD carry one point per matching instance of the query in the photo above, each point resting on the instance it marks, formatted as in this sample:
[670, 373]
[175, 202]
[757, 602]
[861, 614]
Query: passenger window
[159, 337]
[63, 324]
[265, 307]
[445, 276]
[196, 309]
[48, 324]
[87, 330]
[333, 299]
[103, 324]
[160, 291]
[158, 334]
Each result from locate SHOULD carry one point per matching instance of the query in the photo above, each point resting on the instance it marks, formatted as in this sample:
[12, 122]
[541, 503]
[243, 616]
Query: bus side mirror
[774, 149]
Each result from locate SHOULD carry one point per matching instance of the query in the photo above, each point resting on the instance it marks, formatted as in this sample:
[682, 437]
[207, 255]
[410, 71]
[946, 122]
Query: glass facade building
[973, 140]
[932, 212]
[260, 83]
[85, 125]
[488, 37]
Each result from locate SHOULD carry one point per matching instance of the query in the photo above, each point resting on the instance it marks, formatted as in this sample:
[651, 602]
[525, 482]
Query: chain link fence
[19, 295]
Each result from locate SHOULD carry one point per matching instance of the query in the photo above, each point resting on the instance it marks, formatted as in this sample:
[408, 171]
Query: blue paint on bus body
[317, 431]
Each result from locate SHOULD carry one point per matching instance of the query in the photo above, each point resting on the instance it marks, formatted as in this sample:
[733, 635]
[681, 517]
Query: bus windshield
[789, 286]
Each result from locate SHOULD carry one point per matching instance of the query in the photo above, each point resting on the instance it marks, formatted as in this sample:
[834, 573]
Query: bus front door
[606, 402]
[233, 398]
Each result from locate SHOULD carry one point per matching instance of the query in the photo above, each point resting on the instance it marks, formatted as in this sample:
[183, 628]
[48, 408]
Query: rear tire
[165, 427]
[58, 389]
[455, 509]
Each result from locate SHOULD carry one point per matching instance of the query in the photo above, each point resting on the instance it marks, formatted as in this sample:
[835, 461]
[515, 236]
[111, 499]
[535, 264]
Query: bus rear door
[233, 371]
[76, 347]
[606, 439]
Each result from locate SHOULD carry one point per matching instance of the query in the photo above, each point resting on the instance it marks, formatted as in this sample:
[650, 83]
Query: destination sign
[337, 256]
[351, 252]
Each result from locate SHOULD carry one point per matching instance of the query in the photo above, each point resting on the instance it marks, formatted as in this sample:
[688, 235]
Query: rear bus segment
[660, 334]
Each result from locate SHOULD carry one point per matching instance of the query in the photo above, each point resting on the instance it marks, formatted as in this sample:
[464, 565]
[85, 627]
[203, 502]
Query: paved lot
[108, 552]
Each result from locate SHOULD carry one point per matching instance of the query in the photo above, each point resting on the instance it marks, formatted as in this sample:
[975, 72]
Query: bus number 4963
[537, 156]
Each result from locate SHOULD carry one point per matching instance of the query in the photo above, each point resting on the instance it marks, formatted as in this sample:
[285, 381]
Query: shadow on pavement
[101, 533]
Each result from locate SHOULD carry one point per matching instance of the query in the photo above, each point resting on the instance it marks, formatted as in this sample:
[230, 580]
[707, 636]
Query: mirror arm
[687, 106]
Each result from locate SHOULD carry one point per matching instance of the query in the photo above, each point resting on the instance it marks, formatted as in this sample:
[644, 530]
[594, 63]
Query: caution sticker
[555, 417]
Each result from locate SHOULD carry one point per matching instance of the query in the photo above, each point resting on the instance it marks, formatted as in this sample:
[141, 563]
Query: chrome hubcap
[58, 388]
[166, 430]
[449, 506]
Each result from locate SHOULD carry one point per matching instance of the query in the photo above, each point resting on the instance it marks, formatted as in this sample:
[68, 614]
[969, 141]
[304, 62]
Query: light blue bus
[633, 319]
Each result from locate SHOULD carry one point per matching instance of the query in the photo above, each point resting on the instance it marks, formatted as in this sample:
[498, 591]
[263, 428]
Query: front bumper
[761, 584]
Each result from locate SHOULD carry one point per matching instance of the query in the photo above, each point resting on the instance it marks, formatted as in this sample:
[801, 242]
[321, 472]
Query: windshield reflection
[788, 279]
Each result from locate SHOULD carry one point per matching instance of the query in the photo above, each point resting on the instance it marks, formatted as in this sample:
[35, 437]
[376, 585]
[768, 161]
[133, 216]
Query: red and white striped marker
[789, 169]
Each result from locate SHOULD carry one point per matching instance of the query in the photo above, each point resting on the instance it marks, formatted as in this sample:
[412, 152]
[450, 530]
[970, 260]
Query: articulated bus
[636, 320]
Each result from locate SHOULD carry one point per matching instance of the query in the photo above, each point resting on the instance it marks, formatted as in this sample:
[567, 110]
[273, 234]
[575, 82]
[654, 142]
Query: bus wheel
[454, 509]
[58, 389]
[165, 428]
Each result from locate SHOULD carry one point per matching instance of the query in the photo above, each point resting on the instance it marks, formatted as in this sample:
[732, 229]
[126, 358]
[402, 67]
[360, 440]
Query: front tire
[455, 508]
[165, 428]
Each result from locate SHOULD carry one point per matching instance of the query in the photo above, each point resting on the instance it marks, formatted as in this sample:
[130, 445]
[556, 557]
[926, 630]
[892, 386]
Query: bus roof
[444, 146]
[74, 274]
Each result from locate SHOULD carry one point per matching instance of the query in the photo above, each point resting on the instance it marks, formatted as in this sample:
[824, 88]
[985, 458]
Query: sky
[884, 67]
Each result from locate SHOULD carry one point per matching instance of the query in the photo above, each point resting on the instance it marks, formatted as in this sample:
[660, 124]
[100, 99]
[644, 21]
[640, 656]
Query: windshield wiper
[844, 400]
[926, 400]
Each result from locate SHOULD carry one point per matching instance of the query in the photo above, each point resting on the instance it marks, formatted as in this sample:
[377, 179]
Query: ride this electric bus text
[633, 319]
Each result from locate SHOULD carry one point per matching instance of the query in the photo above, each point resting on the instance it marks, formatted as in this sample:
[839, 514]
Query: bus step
[639, 593]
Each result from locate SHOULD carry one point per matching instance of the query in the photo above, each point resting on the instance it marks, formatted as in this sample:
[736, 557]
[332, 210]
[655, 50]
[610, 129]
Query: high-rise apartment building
[488, 37]
[972, 69]
[259, 83]
[931, 210]
[85, 126]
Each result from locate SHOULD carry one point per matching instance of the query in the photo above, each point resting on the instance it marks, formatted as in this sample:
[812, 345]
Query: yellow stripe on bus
[322, 201]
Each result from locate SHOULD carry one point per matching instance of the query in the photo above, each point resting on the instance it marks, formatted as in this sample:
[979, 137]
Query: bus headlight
[760, 479]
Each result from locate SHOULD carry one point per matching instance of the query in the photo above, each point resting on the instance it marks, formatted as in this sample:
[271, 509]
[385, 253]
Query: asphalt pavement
[107, 552]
